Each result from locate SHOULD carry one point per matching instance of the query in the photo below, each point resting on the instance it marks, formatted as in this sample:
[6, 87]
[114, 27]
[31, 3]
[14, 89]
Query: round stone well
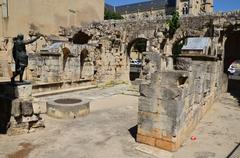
[67, 108]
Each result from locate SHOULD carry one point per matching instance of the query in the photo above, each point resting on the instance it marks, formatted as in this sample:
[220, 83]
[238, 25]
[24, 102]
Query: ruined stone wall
[109, 44]
[172, 102]
[66, 64]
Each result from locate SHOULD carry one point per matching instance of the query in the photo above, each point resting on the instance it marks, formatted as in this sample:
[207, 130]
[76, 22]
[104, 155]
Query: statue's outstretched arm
[32, 40]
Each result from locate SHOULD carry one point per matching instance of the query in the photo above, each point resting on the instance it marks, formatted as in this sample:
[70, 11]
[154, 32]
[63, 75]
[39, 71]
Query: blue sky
[219, 5]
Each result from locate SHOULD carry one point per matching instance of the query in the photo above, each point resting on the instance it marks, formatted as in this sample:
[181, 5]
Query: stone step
[132, 93]
[54, 92]
[154, 152]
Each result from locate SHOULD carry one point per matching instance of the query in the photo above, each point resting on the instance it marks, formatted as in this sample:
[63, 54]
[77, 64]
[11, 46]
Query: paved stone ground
[217, 134]
[104, 133]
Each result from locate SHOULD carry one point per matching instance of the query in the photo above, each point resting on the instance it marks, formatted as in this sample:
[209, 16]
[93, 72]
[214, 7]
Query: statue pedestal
[16, 108]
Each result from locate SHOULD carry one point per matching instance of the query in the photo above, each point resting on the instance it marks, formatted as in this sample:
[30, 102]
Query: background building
[19, 16]
[194, 7]
[44, 16]
[157, 8]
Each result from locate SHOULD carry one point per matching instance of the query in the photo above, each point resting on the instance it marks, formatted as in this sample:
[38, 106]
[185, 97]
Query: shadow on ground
[133, 132]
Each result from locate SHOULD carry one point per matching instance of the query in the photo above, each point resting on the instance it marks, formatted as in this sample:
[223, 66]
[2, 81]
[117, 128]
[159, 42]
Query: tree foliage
[111, 15]
[177, 48]
[173, 24]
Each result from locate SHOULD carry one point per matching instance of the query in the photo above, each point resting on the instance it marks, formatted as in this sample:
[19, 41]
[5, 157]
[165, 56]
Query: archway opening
[135, 50]
[232, 62]
[83, 57]
[81, 38]
[66, 52]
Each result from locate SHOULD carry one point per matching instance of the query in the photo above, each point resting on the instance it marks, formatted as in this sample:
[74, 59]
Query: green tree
[177, 48]
[111, 15]
[173, 24]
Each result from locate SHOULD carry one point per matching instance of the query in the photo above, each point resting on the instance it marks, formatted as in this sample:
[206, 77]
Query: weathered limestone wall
[63, 64]
[172, 102]
[47, 16]
[4, 67]
[109, 43]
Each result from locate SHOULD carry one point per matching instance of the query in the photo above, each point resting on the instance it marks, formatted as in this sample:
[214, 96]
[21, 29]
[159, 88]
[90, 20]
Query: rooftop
[143, 6]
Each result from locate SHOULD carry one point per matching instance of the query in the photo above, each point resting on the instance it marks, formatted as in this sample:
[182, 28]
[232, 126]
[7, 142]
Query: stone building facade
[46, 16]
[194, 7]
[156, 8]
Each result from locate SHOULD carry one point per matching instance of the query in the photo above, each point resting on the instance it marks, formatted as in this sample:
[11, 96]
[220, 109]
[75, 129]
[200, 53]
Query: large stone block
[184, 64]
[148, 105]
[39, 107]
[172, 108]
[23, 91]
[170, 92]
[147, 90]
[27, 108]
[174, 78]
[153, 121]
[16, 108]
[198, 86]
[146, 140]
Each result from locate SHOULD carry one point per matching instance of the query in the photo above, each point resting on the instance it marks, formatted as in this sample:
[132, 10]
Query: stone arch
[66, 52]
[232, 57]
[132, 42]
[182, 34]
[135, 65]
[81, 38]
[232, 48]
[209, 51]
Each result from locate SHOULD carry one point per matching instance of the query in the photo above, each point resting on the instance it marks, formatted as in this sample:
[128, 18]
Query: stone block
[174, 78]
[172, 108]
[23, 91]
[38, 124]
[26, 108]
[171, 93]
[147, 90]
[148, 104]
[32, 118]
[16, 108]
[146, 140]
[153, 121]
[198, 86]
[184, 64]
[166, 145]
[39, 107]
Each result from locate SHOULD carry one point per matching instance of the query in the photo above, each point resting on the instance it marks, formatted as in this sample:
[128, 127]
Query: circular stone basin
[68, 108]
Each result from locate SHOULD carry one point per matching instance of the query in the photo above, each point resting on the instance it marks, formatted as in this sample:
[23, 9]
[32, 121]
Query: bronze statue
[20, 55]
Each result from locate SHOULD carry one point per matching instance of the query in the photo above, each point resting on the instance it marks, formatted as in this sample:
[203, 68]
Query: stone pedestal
[17, 110]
